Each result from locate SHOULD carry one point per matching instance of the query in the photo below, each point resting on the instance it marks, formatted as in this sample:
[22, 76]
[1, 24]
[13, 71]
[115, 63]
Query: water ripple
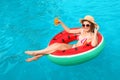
[6, 41]
[9, 62]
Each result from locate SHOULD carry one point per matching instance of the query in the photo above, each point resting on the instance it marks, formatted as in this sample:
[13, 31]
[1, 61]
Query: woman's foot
[32, 53]
[34, 58]
[31, 59]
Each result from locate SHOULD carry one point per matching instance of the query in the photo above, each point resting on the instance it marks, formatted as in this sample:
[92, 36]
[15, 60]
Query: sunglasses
[87, 25]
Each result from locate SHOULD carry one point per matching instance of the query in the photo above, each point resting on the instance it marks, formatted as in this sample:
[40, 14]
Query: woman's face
[86, 26]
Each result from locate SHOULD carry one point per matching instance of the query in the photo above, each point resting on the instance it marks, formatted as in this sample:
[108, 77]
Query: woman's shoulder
[80, 30]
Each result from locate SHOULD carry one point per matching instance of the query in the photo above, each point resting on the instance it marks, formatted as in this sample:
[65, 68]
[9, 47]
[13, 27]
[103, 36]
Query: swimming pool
[28, 25]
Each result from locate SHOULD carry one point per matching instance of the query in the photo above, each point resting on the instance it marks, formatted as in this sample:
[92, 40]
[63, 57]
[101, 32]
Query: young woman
[88, 33]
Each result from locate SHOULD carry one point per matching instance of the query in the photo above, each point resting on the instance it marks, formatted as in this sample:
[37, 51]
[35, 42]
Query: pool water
[28, 25]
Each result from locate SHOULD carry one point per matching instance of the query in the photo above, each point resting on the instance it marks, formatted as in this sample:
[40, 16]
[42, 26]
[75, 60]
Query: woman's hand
[95, 30]
[57, 21]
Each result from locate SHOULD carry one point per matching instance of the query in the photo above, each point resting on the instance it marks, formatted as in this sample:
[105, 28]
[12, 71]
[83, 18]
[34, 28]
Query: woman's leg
[50, 49]
[33, 58]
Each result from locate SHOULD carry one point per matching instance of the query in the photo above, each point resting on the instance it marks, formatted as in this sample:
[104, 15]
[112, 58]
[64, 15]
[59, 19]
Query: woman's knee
[57, 44]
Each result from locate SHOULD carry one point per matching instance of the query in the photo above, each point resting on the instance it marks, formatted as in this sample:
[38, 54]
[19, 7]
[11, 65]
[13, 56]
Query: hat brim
[96, 25]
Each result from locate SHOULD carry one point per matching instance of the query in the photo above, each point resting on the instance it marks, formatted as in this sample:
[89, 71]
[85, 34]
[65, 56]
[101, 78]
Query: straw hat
[90, 19]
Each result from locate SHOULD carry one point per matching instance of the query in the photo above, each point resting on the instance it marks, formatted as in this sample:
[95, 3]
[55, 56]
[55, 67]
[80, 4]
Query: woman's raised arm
[68, 29]
[95, 39]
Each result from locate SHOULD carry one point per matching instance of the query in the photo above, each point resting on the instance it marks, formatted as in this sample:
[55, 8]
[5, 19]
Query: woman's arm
[68, 29]
[95, 39]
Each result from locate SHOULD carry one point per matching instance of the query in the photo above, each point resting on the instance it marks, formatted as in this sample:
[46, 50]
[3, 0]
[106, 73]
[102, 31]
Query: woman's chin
[86, 30]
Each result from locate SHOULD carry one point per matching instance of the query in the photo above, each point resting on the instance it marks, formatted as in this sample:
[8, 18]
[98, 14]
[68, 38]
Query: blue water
[28, 25]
